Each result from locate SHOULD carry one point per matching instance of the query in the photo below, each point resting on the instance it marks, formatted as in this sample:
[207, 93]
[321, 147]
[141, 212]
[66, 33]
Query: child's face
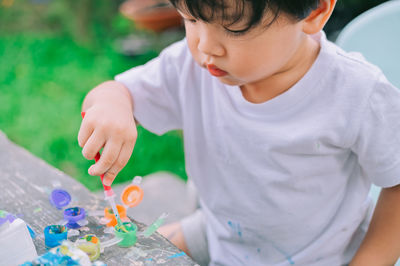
[245, 59]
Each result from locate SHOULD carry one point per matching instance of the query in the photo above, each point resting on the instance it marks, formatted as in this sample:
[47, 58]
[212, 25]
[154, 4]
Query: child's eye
[235, 33]
[190, 20]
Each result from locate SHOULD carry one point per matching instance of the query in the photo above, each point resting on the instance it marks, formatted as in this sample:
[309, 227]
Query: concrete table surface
[26, 182]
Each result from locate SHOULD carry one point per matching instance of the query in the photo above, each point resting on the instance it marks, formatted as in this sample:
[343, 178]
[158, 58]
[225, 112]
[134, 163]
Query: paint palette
[125, 235]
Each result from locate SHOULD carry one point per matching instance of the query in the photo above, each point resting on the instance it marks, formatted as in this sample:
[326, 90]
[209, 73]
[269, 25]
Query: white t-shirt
[286, 181]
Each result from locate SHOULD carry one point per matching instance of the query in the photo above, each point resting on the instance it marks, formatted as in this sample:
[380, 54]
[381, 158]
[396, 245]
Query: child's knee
[173, 232]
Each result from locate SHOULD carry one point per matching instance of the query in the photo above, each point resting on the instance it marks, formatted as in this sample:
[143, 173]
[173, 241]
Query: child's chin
[229, 81]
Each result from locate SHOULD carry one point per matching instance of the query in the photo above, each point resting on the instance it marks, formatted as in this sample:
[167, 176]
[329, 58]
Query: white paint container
[16, 245]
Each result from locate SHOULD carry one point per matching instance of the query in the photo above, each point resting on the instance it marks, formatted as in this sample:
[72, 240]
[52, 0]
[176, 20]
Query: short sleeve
[155, 90]
[378, 142]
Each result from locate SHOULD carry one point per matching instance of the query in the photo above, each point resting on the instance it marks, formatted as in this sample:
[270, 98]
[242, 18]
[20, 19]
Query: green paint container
[127, 231]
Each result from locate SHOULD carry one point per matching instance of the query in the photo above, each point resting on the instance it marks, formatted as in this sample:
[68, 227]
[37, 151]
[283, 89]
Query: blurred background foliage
[52, 52]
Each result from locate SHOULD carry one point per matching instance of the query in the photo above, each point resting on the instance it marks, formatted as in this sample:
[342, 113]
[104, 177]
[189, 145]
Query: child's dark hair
[208, 10]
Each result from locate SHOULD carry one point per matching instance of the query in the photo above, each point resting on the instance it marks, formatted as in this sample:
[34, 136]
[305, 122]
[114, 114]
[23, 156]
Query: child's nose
[210, 46]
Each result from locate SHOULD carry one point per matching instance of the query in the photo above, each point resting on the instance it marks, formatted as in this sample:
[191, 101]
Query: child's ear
[318, 17]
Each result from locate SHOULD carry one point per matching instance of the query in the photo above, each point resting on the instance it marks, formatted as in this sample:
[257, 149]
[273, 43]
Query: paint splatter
[31, 232]
[73, 232]
[318, 145]
[176, 255]
[98, 263]
[236, 228]
[74, 211]
[56, 183]
[149, 262]
[37, 210]
[57, 229]
[84, 229]
[287, 256]
[109, 230]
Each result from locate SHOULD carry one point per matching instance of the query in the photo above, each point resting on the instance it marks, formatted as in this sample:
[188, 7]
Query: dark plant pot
[155, 15]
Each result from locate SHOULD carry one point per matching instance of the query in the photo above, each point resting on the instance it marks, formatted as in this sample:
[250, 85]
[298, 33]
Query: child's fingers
[120, 163]
[108, 157]
[84, 133]
[93, 145]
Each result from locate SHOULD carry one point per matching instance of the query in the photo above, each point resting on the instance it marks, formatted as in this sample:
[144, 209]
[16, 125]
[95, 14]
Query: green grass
[44, 76]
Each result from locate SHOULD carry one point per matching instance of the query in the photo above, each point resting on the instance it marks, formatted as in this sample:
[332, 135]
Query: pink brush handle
[96, 159]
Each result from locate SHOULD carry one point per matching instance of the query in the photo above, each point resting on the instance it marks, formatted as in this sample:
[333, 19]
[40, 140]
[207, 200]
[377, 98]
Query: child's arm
[381, 245]
[108, 123]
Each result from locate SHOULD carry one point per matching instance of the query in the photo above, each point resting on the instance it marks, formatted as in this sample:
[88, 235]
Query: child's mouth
[215, 71]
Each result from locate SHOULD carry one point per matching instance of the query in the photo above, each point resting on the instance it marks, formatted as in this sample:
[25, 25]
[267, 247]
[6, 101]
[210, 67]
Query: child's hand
[108, 124]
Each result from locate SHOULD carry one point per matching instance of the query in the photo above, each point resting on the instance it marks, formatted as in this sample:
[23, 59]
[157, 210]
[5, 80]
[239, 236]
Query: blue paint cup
[54, 235]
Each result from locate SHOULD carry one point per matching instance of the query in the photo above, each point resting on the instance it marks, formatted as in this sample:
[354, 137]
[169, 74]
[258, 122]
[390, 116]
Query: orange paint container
[132, 195]
[109, 214]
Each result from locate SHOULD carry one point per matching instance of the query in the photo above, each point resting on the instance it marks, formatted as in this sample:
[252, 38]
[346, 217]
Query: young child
[283, 131]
